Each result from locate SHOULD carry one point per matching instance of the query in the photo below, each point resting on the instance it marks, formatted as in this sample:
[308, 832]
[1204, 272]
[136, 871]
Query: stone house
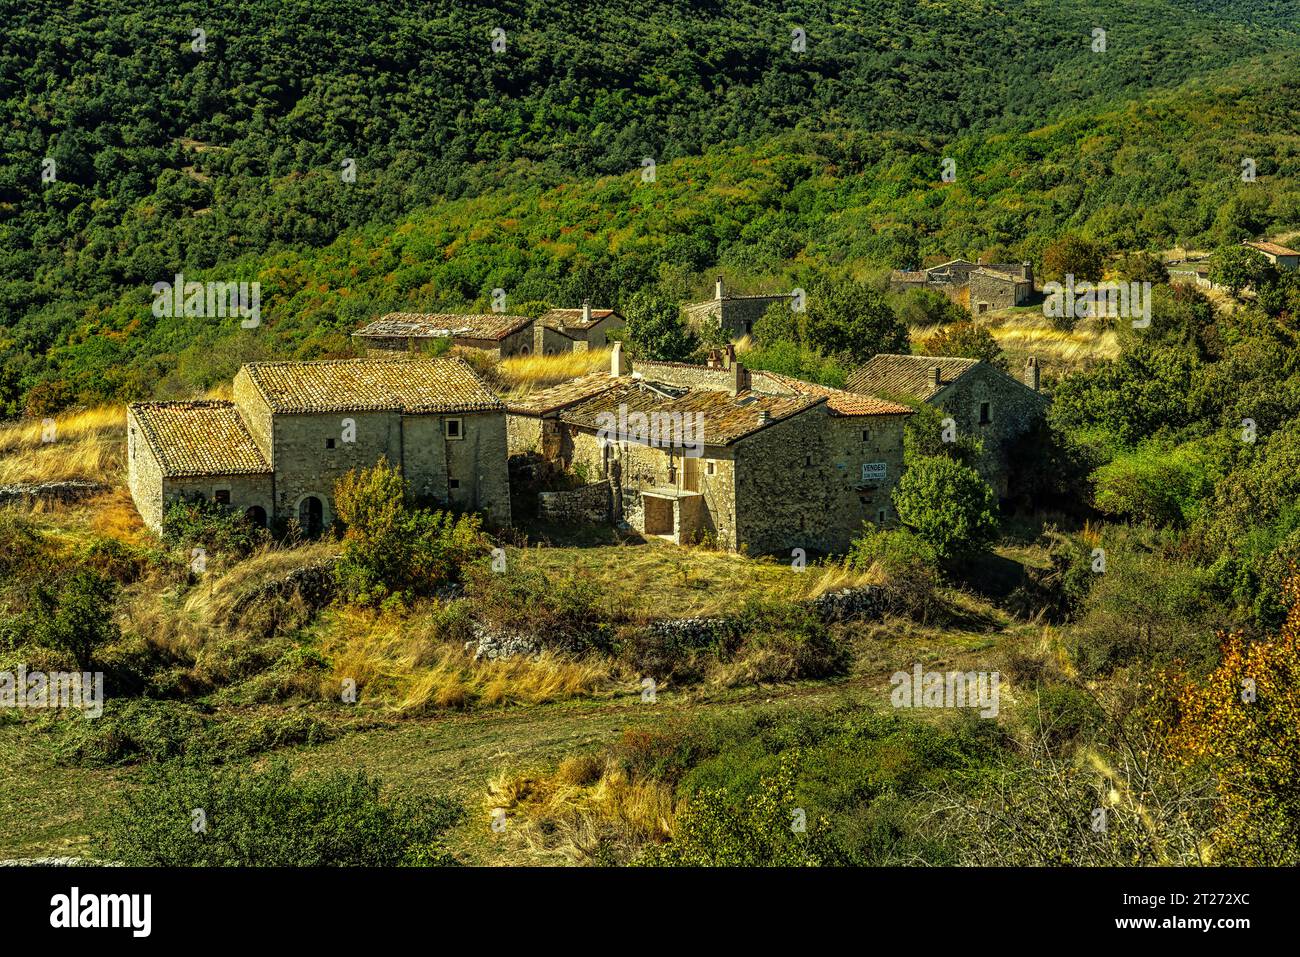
[497, 334]
[574, 330]
[295, 428]
[980, 398]
[1279, 256]
[734, 314]
[752, 460]
[978, 286]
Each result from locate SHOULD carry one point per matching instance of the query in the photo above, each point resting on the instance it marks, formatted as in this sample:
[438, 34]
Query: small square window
[807, 461]
[221, 496]
[452, 428]
[709, 468]
[453, 483]
[985, 413]
[880, 517]
[866, 435]
[329, 443]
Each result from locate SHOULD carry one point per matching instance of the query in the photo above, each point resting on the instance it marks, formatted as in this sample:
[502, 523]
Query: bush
[393, 551]
[564, 612]
[75, 615]
[213, 527]
[268, 818]
[967, 340]
[948, 506]
[909, 566]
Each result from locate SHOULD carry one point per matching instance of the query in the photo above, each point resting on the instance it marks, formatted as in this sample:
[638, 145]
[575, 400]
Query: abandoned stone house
[574, 330]
[752, 460]
[734, 314]
[978, 286]
[295, 428]
[495, 334]
[981, 399]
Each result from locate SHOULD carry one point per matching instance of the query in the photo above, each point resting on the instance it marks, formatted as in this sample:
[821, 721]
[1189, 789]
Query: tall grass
[526, 373]
[88, 444]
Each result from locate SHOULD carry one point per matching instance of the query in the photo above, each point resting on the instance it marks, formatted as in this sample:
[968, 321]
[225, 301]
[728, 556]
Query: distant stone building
[734, 314]
[574, 330]
[754, 460]
[978, 286]
[295, 428]
[981, 399]
[496, 334]
[1279, 256]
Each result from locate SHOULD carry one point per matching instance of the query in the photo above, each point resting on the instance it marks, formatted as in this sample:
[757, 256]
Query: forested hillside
[169, 151]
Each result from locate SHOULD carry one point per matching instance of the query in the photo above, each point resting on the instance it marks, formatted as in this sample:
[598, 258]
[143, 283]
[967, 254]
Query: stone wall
[998, 293]
[589, 505]
[144, 475]
[246, 491]
[523, 433]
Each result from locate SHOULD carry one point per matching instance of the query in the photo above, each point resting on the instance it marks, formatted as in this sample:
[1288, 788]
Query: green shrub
[268, 818]
[213, 527]
[948, 506]
[74, 615]
[564, 611]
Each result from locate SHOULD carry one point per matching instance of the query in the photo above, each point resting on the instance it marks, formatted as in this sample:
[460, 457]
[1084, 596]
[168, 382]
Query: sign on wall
[873, 471]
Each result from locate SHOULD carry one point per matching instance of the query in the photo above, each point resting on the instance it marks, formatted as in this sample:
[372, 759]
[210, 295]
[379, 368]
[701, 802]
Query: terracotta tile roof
[906, 376]
[199, 438]
[445, 384]
[839, 401]
[900, 275]
[1000, 274]
[1273, 249]
[562, 395]
[572, 318]
[437, 325]
[727, 418]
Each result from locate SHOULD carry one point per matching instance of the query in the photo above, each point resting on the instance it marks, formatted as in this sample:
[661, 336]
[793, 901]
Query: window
[221, 496]
[453, 483]
[866, 435]
[807, 461]
[880, 517]
[452, 428]
[709, 467]
[329, 443]
[985, 416]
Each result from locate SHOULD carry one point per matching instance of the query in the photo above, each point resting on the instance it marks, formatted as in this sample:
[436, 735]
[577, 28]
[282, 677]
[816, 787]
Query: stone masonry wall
[1014, 409]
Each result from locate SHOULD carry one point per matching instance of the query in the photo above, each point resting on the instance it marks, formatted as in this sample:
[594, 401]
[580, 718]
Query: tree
[656, 329]
[1143, 267]
[947, 505]
[75, 617]
[1240, 723]
[926, 307]
[1072, 256]
[779, 323]
[1237, 267]
[967, 340]
[852, 321]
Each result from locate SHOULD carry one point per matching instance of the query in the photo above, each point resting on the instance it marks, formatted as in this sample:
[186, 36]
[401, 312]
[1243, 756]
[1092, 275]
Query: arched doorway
[256, 515]
[311, 515]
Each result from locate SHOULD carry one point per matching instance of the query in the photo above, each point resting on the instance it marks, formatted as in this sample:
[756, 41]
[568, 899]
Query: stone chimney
[717, 289]
[739, 378]
[729, 355]
[715, 359]
[1031, 373]
[1027, 270]
[764, 416]
[586, 311]
[617, 363]
[936, 377]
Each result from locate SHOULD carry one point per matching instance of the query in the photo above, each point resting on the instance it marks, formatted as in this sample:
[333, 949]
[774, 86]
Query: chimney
[739, 378]
[936, 377]
[715, 359]
[729, 355]
[764, 416]
[617, 365]
[717, 289]
[1027, 269]
[1031, 373]
[586, 311]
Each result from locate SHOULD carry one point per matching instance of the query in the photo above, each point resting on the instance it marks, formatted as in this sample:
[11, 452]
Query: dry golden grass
[1035, 336]
[88, 445]
[657, 579]
[584, 803]
[409, 663]
[523, 374]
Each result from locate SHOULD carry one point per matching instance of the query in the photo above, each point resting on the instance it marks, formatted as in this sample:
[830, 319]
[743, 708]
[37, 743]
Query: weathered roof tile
[445, 384]
[199, 438]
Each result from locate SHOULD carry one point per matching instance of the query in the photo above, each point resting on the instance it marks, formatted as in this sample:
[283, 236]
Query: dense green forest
[222, 154]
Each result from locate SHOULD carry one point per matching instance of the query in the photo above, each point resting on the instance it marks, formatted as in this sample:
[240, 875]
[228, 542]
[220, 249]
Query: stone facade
[977, 286]
[736, 315]
[292, 441]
